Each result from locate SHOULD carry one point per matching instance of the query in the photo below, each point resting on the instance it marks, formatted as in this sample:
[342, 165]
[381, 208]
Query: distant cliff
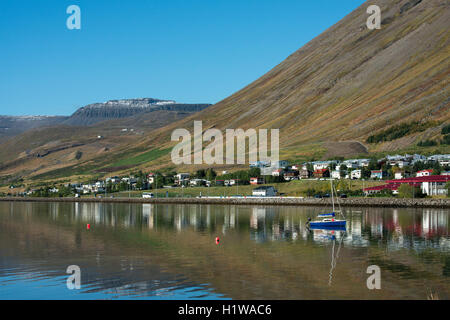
[117, 109]
[14, 125]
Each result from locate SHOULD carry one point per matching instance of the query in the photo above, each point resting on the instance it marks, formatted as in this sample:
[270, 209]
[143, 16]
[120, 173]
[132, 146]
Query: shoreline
[348, 202]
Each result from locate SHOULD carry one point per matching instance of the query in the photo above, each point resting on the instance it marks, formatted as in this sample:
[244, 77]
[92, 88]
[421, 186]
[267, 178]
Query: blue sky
[189, 51]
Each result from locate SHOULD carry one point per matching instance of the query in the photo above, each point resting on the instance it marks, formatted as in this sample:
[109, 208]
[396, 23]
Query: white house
[197, 182]
[277, 172]
[335, 174]
[265, 191]
[399, 175]
[424, 173]
[356, 174]
[181, 177]
[434, 188]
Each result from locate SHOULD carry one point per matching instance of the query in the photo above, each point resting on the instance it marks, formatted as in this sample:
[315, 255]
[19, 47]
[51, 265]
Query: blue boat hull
[332, 225]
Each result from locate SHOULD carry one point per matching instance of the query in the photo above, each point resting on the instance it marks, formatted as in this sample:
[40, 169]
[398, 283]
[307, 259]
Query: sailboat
[329, 220]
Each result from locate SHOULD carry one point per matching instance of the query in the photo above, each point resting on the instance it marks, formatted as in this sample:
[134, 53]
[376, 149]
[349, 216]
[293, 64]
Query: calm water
[135, 251]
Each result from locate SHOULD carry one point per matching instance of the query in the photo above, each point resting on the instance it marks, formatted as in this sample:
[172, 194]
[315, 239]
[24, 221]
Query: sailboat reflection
[336, 234]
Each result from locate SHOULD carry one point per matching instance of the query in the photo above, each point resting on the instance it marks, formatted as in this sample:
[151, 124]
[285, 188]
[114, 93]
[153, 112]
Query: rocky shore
[349, 202]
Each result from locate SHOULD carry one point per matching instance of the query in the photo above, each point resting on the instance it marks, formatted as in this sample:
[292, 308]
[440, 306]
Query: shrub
[446, 139]
[446, 129]
[400, 130]
[427, 143]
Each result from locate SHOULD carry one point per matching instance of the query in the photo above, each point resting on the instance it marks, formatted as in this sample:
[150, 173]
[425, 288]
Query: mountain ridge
[327, 97]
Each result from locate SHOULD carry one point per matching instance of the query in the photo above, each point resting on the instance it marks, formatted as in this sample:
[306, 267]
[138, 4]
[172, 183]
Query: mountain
[349, 83]
[327, 99]
[118, 109]
[96, 130]
[14, 125]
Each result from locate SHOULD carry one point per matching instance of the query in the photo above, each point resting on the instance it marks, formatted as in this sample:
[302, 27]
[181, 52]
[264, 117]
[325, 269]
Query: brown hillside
[344, 85]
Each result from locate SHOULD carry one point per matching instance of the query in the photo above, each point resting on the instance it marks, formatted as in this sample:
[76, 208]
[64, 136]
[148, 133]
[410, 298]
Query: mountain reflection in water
[149, 251]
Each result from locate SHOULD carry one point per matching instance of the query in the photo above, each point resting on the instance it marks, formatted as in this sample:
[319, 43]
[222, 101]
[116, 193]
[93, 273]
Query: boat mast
[332, 198]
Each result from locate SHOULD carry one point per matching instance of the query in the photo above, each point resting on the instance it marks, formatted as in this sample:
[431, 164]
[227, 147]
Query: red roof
[320, 170]
[416, 182]
[436, 178]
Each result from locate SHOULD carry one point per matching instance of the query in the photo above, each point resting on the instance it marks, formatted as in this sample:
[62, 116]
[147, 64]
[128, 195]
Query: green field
[144, 157]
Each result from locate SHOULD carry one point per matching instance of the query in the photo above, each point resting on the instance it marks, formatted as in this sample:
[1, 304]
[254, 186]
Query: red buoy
[217, 240]
[88, 226]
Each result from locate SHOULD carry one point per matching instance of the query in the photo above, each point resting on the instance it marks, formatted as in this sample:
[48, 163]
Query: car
[343, 196]
[147, 195]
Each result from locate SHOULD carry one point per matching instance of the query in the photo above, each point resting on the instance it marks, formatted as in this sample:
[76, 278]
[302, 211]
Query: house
[401, 175]
[321, 173]
[53, 190]
[151, 178]
[424, 173]
[257, 180]
[259, 164]
[443, 159]
[182, 178]
[304, 174]
[356, 174]
[277, 172]
[336, 174]
[290, 175]
[356, 163]
[197, 182]
[377, 174]
[234, 182]
[435, 187]
[113, 180]
[265, 191]
[318, 165]
[279, 164]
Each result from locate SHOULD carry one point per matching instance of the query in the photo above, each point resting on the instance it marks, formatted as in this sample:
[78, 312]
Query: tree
[343, 170]
[408, 191]
[200, 174]
[139, 184]
[254, 172]
[373, 164]
[405, 191]
[210, 174]
[437, 168]
[365, 173]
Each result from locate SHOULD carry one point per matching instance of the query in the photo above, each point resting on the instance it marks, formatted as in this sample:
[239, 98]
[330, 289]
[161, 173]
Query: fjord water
[147, 251]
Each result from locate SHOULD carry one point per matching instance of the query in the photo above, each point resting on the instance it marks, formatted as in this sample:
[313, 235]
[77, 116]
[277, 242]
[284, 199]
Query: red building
[430, 185]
